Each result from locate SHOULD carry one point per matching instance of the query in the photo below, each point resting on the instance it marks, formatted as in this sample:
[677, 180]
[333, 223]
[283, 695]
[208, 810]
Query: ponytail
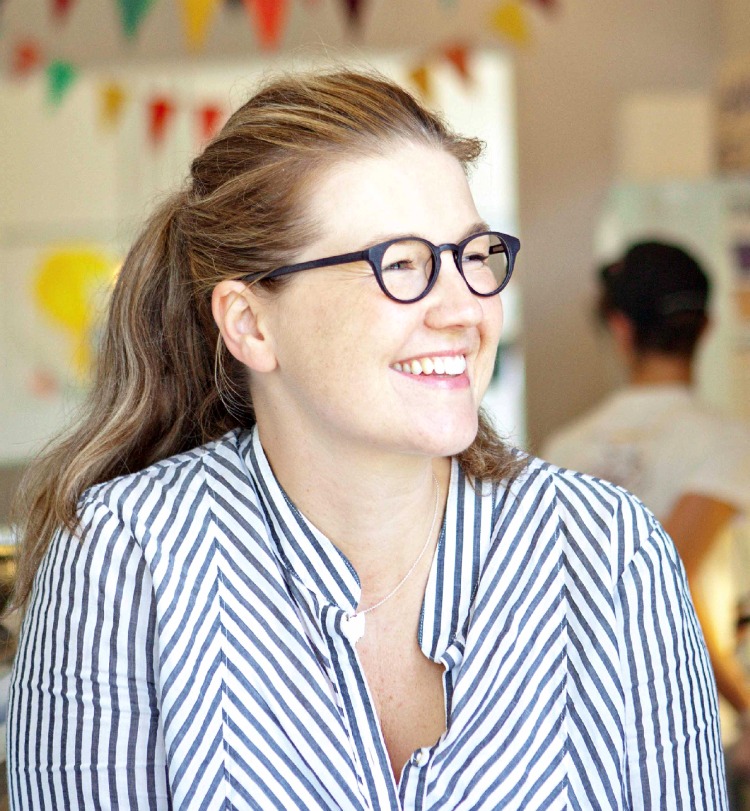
[153, 393]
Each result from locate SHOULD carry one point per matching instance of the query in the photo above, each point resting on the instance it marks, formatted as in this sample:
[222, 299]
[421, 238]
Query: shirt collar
[305, 552]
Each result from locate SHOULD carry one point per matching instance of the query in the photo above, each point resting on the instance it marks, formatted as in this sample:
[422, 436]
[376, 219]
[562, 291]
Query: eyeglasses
[407, 268]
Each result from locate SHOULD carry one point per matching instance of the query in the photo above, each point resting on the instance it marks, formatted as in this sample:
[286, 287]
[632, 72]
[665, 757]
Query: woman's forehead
[413, 189]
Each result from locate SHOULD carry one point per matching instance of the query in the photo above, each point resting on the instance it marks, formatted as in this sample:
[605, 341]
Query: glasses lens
[484, 263]
[406, 268]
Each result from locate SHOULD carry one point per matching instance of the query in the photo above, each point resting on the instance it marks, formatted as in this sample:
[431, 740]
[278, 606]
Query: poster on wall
[50, 321]
[733, 117]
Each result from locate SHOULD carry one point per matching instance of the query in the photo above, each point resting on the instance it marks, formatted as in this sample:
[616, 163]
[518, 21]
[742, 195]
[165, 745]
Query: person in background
[286, 562]
[686, 462]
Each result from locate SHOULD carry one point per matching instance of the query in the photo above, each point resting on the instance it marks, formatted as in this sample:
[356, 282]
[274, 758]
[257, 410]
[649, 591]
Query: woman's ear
[240, 315]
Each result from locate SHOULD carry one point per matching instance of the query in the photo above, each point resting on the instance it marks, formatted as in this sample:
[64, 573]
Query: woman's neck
[376, 510]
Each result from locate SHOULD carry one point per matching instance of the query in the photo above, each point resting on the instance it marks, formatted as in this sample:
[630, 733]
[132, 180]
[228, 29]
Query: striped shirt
[188, 653]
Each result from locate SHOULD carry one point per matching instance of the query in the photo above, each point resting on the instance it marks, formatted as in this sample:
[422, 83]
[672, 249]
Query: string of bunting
[268, 18]
[508, 18]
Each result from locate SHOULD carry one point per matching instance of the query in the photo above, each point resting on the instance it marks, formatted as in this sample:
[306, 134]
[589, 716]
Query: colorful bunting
[509, 19]
[111, 103]
[27, 56]
[160, 110]
[458, 56]
[353, 11]
[60, 8]
[210, 119]
[269, 19]
[60, 78]
[197, 15]
[133, 12]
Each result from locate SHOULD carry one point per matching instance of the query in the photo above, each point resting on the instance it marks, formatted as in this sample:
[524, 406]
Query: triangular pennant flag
[133, 13]
[197, 15]
[27, 56]
[60, 78]
[160, 112]
[509, 19]
[210, 119]
[353, 11]
[111, 100]
[458, 56]
[420, 78]
[60, 8]
[269, 19]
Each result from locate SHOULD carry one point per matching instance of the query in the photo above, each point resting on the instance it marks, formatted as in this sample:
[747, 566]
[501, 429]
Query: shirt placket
[374, 770]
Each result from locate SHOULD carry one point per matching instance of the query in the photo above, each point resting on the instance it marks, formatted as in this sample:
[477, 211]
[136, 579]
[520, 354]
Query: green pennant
[60, 77]
[133, 13]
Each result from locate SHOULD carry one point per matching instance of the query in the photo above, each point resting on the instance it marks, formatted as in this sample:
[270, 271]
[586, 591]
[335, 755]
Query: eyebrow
[477, 228]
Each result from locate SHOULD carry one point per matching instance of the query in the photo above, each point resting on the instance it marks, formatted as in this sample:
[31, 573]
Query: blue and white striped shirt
[188, 654]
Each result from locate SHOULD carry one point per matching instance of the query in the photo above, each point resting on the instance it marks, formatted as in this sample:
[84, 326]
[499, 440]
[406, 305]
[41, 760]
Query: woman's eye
[475, 258]
[401, 264]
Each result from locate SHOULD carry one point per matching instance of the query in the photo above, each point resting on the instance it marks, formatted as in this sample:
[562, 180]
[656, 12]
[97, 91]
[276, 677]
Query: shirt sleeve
[84, 727]
[673, 749]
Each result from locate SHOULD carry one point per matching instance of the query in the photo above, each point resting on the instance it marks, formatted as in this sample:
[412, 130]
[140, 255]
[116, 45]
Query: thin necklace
[353, 625]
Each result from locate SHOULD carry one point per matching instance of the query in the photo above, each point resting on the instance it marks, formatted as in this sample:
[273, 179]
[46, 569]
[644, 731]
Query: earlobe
[239, 314]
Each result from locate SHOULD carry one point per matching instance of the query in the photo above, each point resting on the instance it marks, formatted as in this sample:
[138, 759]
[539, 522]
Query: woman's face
[341, 346]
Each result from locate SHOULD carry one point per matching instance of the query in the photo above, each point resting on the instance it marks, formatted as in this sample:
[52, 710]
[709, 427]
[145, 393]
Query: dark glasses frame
[508, 244]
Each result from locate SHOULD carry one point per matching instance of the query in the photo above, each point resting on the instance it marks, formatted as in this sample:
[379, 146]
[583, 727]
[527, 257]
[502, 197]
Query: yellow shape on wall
[509, 19]
[67, 284]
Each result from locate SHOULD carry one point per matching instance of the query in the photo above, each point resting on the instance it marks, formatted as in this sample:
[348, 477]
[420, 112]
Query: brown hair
[155, 391]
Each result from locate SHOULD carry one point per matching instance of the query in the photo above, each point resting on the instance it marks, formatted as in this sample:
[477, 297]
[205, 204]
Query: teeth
[452, 365]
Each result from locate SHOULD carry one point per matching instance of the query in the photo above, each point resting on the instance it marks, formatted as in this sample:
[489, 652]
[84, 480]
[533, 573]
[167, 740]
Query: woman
[351, 595]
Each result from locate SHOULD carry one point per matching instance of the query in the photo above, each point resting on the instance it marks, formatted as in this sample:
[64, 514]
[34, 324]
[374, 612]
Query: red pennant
[353, 11]
[161, 111]
[269, 19]
[210, 119]
[458, 56]
[60, 8]
[26, 57]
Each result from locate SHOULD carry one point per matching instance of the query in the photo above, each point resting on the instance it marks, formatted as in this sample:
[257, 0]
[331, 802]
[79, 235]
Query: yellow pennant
[111, 103]
[509, 19]
[419, 76]
[197, 15]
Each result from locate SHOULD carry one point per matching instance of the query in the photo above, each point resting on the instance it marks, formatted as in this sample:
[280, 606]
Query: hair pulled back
[244, 209]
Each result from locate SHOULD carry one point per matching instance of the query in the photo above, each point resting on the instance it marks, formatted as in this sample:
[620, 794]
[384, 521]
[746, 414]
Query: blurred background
[604, 122]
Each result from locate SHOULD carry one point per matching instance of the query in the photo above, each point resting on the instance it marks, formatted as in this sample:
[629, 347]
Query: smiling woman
[284, 562]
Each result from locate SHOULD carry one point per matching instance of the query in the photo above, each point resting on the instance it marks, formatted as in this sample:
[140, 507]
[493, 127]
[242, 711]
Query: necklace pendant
[353, 627]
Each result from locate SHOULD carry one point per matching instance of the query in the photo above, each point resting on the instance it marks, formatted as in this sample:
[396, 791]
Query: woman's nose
[451, 302]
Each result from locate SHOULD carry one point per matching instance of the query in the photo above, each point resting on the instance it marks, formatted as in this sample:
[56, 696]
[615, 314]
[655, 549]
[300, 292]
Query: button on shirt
[190, 653]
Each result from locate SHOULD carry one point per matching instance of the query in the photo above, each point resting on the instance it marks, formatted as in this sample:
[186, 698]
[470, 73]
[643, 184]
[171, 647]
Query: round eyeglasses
[407, 268]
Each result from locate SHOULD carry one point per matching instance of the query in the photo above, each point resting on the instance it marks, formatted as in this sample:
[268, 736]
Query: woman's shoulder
[175, 479]
[588, 512]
